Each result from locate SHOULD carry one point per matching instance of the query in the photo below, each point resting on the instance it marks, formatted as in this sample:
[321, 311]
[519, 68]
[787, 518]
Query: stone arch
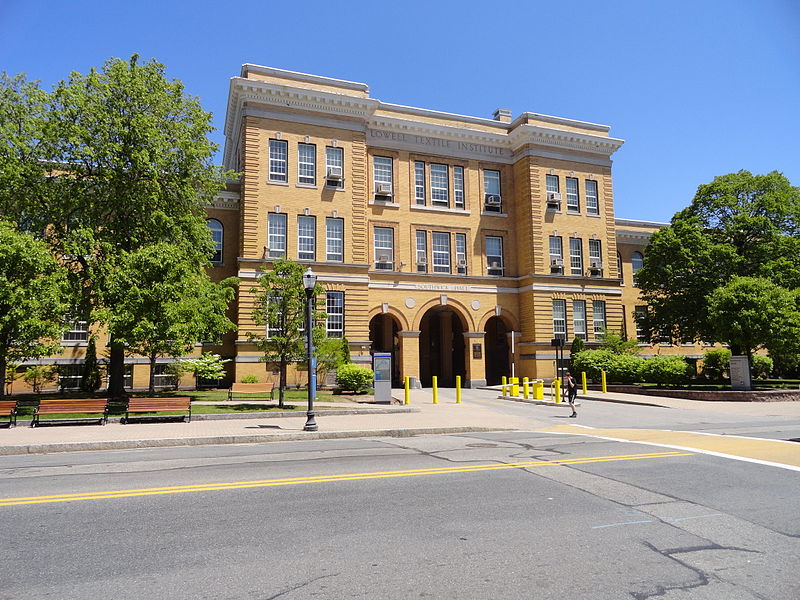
[384, 329]
[442, 344]
[462, 312]
[507, 317]
[401, 319]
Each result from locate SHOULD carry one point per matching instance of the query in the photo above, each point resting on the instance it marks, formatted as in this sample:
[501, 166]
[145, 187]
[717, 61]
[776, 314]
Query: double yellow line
[237, 485]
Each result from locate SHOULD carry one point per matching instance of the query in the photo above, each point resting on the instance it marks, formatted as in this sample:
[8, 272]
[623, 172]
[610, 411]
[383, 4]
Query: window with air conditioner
[556, 254]
[461, 253]
[384, 248]
[595, 257]
[382, 176]
[492, 198]
[334, 167]
[422, 251]
[552, 192]
[494, 255]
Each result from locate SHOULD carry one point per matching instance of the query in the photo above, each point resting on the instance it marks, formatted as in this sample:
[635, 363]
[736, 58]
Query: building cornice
[627, 236]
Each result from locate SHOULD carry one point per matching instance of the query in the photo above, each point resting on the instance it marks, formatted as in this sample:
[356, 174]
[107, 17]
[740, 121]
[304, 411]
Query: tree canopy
[738, 226]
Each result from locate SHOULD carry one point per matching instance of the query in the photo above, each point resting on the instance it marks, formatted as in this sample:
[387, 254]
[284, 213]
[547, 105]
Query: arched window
[619, 266]
[217, 235]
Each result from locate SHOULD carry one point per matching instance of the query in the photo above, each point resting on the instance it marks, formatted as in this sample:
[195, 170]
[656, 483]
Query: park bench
[8, 408]
[154, 405]
[61, 406]
[250, 389]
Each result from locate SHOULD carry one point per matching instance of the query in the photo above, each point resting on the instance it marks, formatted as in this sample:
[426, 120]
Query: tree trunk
[116, 369]
[151, 388]
[282, 385]
[3, 367]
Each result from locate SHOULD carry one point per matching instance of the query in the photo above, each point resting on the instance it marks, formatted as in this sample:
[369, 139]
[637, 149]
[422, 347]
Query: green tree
[37, 375]
[740, 224]
[164, 303]
[123, 162]
[751, 313]
[615, 342]
[666, 370]
[90, 379]
[716, 362]
[31, 304]
[280, 301]
[209, 366]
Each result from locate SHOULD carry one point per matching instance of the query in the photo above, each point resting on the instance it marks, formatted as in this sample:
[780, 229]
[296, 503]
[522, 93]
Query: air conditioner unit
[595, 265]
[383, 189]
[462, 263]
[557, 262]
[422, 260]
[494, 265]
[493, 200]
[335, 173]
[554, 200]
[383, 258]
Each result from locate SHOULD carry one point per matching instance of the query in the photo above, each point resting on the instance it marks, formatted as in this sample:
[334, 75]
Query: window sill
[593, 215]
[493, 214]
[334, 188]
[307, 186]
[573, 212]
[283, 183]
[386, 204]
[440, 209]
[73, 344]
[556, 211]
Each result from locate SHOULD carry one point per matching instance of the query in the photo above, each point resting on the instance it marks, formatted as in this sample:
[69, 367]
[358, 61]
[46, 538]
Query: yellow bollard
[408, 392]
[514, 387]
[458, 389]
[504, 380]
[538, 389]
[583, 381]
[525, 387]
[603, 380]
[557, 390]
[435, 390]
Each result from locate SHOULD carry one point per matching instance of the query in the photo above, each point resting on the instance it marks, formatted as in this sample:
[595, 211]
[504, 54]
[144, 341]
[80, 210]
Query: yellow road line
[758, 450]
[235, 485]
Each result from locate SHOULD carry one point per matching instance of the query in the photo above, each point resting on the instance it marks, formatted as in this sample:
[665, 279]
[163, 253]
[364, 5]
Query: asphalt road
[504, 515]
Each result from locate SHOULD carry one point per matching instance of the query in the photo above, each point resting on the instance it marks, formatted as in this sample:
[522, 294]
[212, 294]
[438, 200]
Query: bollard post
[557, 390]
[408, 392]
[504, 380]
[435, 390]
[538, 389]
[525, 387]
[603, 380]
[583, 381]
[514, 387]
[458, 389]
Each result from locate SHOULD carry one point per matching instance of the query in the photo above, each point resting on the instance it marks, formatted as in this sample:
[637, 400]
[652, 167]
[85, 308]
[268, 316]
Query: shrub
[249, 379]
[716, 363]
[353, 378]
[625, 368]
[37, 375]
[621, 368]
[666, 370]
[760, 365]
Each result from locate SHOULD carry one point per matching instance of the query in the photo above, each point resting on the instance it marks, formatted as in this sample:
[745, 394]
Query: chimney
[503, 115]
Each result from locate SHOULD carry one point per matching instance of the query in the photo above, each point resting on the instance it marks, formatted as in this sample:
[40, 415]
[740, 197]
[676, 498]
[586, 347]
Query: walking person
[571, 392]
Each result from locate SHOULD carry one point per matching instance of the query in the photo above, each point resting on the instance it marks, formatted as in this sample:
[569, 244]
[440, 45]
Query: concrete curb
[235, 439]
[586, 397]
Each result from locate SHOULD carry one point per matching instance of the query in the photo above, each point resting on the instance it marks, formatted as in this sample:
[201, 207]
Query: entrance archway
[441, 347]
[383, 330]
[497, 351]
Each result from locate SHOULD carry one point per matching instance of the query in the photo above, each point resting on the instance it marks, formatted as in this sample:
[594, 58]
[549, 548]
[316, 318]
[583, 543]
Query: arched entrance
[383, 330]
[497, 351]
[441, 347]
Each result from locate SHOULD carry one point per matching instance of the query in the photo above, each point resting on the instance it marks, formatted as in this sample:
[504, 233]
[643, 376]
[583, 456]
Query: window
[422, 251]
[458, 187]
[640, 314]
[619, 266]
[491, 187]
[595, 256]
[556, 254]
[637, 262]
[334, 306]
[217, 236]
[334, 239]
[307, 164]
[592, 207]
[494, 255]
[575, 256]
[334, 167]
[163, 378]
[382, 174]
[560, 319]
[69, 377]
[306, 237]
[552, 183]
[277, 236]
[278, 154]
[599, 317]
[579, 318]
[461, 253]
[78, 331]
[419, 182]
[127, 377]
[384, 248]
[573, 202]
[274, 316]
[440, 185]
[440, 242]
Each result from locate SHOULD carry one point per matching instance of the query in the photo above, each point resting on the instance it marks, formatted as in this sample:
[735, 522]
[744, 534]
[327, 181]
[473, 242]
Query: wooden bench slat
[8, 408]
[251, 388]
[141, 405]
[58, 406]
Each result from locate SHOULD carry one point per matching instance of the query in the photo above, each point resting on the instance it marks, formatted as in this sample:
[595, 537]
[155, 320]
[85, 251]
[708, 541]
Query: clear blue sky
[696, 88]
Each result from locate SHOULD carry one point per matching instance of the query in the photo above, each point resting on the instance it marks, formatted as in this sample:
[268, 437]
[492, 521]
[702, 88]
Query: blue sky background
[696, 88]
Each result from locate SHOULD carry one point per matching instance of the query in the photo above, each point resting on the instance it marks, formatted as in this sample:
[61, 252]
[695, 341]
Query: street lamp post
[309, 282]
